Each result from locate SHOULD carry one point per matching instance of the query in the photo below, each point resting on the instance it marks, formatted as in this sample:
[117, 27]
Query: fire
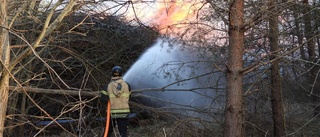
[172, 14]
[165, 14]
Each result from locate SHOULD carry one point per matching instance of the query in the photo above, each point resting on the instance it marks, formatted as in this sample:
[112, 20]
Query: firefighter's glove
[104, 98]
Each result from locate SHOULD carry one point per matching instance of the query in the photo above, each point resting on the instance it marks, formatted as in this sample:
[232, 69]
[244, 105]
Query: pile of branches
[79, 54]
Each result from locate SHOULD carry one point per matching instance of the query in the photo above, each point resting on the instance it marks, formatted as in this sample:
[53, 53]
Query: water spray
[174, 77]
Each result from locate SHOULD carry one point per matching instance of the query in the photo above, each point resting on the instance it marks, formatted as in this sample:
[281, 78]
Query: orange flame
[173, 13]
[166, 14]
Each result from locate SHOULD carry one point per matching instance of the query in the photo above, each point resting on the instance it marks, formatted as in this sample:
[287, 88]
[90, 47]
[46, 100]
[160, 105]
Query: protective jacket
[118, 92]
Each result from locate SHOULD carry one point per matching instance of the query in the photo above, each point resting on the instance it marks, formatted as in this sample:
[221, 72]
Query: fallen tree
[75, 92]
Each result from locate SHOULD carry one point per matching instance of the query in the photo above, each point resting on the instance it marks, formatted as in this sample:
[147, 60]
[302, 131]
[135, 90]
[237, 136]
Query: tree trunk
[312, 78]
[4, 64]
[298, 32]
[276, 92]
[234, 115]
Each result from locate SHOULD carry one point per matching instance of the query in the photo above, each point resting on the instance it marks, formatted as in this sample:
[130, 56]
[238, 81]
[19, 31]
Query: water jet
[173, 76]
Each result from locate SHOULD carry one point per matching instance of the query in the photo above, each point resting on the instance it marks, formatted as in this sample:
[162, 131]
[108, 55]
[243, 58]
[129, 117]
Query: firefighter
[118, 93]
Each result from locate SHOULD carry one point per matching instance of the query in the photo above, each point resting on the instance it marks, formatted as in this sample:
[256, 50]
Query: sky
[161, 13]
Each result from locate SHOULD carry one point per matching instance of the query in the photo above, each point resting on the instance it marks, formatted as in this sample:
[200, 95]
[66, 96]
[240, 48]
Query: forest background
[56, 56]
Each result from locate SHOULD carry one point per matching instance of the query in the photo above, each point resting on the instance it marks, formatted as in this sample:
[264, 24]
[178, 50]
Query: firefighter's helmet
[116, 71]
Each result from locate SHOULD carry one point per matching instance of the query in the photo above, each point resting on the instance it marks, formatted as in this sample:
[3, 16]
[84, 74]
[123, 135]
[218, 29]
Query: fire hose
[107, 120]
